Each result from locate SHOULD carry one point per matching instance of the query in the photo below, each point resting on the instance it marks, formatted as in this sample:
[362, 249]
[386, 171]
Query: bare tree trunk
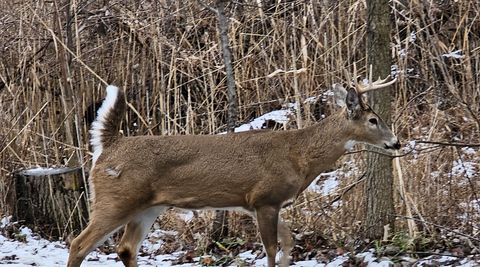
[379, 177]
[220, 224]
[227, 59]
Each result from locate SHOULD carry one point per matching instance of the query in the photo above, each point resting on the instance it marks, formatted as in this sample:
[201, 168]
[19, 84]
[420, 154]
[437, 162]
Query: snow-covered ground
[36, 251]
[33, 250]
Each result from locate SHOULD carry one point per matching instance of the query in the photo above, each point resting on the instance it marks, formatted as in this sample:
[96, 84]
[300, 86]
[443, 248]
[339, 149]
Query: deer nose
[397, 145]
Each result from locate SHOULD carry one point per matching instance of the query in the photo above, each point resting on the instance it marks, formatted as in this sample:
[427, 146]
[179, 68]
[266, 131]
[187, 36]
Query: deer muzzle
[393, 145]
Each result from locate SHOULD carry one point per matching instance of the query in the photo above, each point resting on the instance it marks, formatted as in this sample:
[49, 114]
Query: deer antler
[361, 89]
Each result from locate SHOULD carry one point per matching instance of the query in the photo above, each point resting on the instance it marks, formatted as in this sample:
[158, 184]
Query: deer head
[369, 127]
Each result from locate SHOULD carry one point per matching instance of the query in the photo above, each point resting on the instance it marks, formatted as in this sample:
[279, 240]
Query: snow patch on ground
[466, 165]
[325, 183]
[37, 251]
[371, 260]
[461, 167]
[279, 116]
[282, 116]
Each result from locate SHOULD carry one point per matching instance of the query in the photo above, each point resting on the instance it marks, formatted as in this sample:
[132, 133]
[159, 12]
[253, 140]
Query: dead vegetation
[57, 56]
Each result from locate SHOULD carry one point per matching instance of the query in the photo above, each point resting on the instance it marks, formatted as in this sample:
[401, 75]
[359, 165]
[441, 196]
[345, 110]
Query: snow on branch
[42, 171]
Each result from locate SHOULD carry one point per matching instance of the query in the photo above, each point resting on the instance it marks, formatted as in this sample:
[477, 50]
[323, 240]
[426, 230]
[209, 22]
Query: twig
[350, 187]
[440, 254]
[140, 117]
[56, 40]
[447, 143]
[437, 225]
[208, 7]
[24, 127]
[392, 155]
[436, 143]
[337, 196]
[400, 113]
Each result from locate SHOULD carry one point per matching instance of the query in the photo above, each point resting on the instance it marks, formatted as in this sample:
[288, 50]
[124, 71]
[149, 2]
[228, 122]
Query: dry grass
[57, 57]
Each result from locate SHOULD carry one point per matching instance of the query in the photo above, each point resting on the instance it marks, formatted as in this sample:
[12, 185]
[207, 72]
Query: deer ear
[353, 102]
[340, 95]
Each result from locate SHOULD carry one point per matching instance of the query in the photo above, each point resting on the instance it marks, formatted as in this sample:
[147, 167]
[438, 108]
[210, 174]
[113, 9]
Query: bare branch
[447, 143]
[437, 225]
[205, 5]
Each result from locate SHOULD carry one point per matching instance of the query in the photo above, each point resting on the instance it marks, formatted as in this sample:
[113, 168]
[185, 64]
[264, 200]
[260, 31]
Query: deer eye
[373, 121]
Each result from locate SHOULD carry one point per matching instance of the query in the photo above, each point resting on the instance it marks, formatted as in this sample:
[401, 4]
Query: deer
[134, 179]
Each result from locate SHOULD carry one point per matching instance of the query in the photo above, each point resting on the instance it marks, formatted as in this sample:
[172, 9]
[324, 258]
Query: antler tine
[374, 85]
[350, 81]
[347, 75]
[370, 76]
[355, 76]
[380, 81]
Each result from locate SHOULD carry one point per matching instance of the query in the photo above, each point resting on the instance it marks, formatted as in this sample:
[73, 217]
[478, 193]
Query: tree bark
[42, 202]
[220, 223]
[227, 59]
[379, 176]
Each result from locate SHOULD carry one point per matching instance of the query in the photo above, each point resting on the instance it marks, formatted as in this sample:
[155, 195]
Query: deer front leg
[267, 220]
[286, 241]
[134, 233]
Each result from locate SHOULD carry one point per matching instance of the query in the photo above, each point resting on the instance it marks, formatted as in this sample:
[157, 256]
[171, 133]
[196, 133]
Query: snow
[467, 164]
[433, 260]
[36, 251]
[279, 116]
[338, 261]
[413, 37]
[372, 261]
[5, 221]
[185, 215]
[468, 151]
[325, 186]
[454, 54]
[43, 171]
[461, 167]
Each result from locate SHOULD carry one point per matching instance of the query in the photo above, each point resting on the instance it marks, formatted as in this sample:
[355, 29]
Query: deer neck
[324, 143]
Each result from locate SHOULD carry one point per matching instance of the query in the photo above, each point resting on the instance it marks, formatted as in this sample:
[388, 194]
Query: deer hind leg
[103, 222]
[286, 241]
[267, 220]
[135, 231]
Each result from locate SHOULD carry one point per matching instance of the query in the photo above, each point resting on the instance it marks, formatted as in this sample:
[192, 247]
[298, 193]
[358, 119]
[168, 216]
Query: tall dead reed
[57, 56]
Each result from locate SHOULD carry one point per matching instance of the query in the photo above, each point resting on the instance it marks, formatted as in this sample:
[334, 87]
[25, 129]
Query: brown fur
[258, 171]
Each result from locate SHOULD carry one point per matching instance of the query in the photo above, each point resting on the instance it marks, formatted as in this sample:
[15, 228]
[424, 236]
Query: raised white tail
[106, 126]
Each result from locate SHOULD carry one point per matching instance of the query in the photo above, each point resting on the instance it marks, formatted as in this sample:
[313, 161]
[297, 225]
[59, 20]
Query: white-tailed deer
[134, 179]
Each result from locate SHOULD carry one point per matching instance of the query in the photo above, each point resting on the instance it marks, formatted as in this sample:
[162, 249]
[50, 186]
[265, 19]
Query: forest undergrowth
[57, 57]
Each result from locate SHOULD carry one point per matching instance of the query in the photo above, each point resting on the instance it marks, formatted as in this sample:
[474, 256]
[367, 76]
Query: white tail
[136, 178]
[105, 127]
